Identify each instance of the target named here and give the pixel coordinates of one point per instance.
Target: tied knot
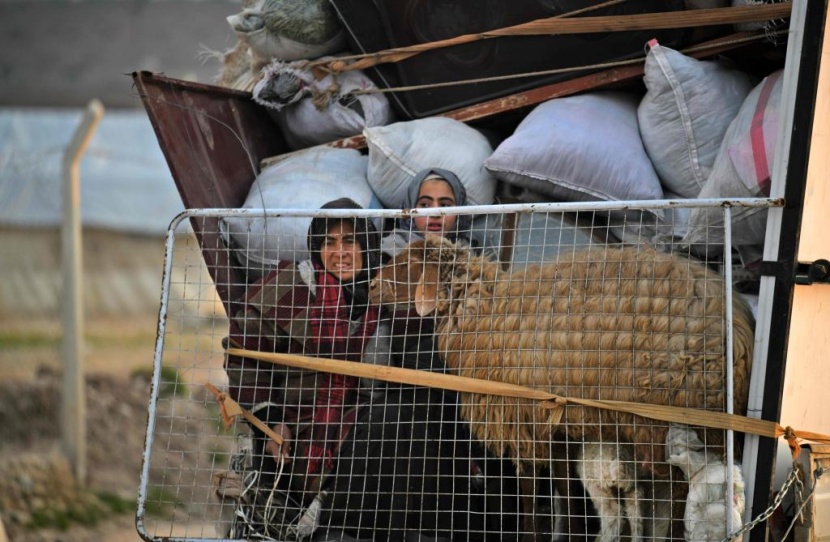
(227, 419)
(321, 98)
(228, 408)
(792, 441)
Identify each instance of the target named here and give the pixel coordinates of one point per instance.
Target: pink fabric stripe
(756, 135)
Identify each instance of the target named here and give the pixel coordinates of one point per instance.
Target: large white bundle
(579, 148)
(291, 95)
(305, 180)
(742, 170)
(685, 113)
(397, 152)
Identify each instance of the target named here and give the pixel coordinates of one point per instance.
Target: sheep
(610, 475)
(706, 510)
(612, 323)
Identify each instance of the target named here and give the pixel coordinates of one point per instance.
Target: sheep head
(685, 450)
(422, 275)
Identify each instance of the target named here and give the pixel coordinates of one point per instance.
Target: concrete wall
(64, 53)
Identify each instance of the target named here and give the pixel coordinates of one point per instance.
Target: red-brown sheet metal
(213, 139)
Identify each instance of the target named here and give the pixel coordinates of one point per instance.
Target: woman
(431, 188)
(376, 461)
(413, 341)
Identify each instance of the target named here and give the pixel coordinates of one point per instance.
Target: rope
(688, 416)
(565, 25)
(229, 409)
(587, 67)
(326, 65)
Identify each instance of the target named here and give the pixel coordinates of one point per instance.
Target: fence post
(73, 402)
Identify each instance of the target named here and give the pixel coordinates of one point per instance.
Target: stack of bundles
(702, 130)
(276, 39)
(683, 117)
(711, 132)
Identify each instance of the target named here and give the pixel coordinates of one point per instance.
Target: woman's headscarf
(357, 290)
(462, 222)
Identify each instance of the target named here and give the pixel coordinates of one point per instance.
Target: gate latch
(809, 273)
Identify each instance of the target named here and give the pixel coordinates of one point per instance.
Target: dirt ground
(40, 499)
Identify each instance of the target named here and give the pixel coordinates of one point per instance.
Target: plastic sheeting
(125, 182)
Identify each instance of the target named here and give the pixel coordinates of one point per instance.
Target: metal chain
(793, 477)
(804, 499)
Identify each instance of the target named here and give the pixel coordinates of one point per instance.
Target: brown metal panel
(213, 139)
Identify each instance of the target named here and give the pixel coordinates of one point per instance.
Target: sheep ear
(426, 292)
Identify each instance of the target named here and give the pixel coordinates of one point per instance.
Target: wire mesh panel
(566, 319)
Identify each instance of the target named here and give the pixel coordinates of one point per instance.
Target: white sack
(288, 30)
(742, 170)
(685, 113)
(304, 123)
(397, 152)
(579, 148)
(305, 180)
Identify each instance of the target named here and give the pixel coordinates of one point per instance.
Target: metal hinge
(805, 272)
(808, 273)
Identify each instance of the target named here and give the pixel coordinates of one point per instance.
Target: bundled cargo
(311, 110)
(278, 29)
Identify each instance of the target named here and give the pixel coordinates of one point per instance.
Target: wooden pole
(73, 403)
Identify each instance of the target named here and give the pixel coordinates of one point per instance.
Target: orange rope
(229, 409)
(688, 416)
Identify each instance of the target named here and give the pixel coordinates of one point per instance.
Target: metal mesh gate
(586, 302)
